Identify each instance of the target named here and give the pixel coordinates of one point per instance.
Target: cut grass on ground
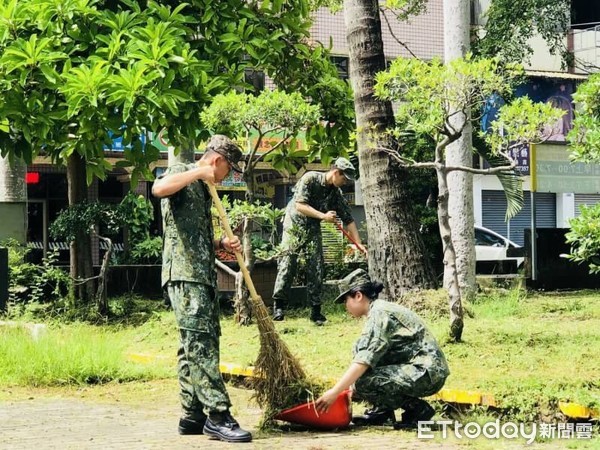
(528, 351)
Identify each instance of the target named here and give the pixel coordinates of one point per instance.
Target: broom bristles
(279, 379)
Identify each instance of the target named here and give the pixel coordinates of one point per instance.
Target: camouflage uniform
(314, 191)
(189, 275)
(404, 358)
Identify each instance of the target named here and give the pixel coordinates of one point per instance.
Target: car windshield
(488, 239)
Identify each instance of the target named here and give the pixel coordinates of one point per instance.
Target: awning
(559, 75)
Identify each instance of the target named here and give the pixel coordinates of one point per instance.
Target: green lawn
(528, 351)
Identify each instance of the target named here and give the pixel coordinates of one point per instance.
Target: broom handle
(350, 238)
(229, 233)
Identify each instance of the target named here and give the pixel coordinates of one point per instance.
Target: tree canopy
(510, 24)
(272, 115)
(585, 135)
(76, 74)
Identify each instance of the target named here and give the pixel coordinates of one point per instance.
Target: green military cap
(227, 148)
(353, 280)
(346, 167)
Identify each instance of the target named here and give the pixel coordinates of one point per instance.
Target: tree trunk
(81, 267)
(186, 155)
(101, 296)
(397, 254)
(446, 233)
(243, 306)
(460, 153)
(13, 199)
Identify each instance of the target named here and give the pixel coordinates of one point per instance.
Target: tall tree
(584, 235)
(79, 73)
(397, 254)
(13, 198)
(452, 90)
(457, 26)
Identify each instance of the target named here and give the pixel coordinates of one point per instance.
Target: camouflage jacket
(188, 250)
(312, 190)
(394, 334)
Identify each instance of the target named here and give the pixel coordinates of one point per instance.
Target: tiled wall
(424, 35)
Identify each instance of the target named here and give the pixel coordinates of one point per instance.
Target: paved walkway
(146, 418)
(92, 420)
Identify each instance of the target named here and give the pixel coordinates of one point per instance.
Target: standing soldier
(317, 197)
(189, 275)
(396, 359)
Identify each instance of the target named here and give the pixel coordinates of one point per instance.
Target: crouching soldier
(397, 361)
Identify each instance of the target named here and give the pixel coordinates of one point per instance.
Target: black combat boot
(415, 410)
(375, 416)
(192, 423)
(316, 316)
(278, 315)
(224, 427)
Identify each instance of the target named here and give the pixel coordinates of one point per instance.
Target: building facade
(563, 187)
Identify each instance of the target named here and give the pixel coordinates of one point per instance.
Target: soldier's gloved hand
(330, 216)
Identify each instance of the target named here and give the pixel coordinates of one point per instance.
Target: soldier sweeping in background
(317, 197)
(190, 278)
(396, 359)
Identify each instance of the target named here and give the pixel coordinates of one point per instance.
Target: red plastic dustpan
(339, 414)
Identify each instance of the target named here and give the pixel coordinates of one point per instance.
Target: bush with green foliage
(134, 214)
(84, 217)
(264, 220)
(584, 237)
(137, 215)
(29, 283)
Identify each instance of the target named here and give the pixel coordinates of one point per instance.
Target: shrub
(29, 282)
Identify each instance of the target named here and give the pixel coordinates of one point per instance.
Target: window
(341, 62)
(256, 79)
(584, 13)
(476, 13)
(110, 189)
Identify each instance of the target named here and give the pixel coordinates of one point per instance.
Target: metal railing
(117, 246)
(587, 38)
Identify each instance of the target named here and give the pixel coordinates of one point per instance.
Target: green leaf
(230, 37)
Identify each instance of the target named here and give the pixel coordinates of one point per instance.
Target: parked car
(496, 254)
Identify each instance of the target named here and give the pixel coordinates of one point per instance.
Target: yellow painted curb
(577, 411)
(572, 410)
(239, 371)
(447, 395)
(143, 358)
(465, 397)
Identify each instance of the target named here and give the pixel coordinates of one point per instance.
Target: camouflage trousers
(287, 267)
(196, 308)
(392, 386)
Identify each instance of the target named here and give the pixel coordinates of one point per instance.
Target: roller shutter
(494, 211)
(585, 199)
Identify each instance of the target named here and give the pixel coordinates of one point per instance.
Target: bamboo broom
(278, 377)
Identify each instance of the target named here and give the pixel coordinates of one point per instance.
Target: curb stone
(571, 410)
